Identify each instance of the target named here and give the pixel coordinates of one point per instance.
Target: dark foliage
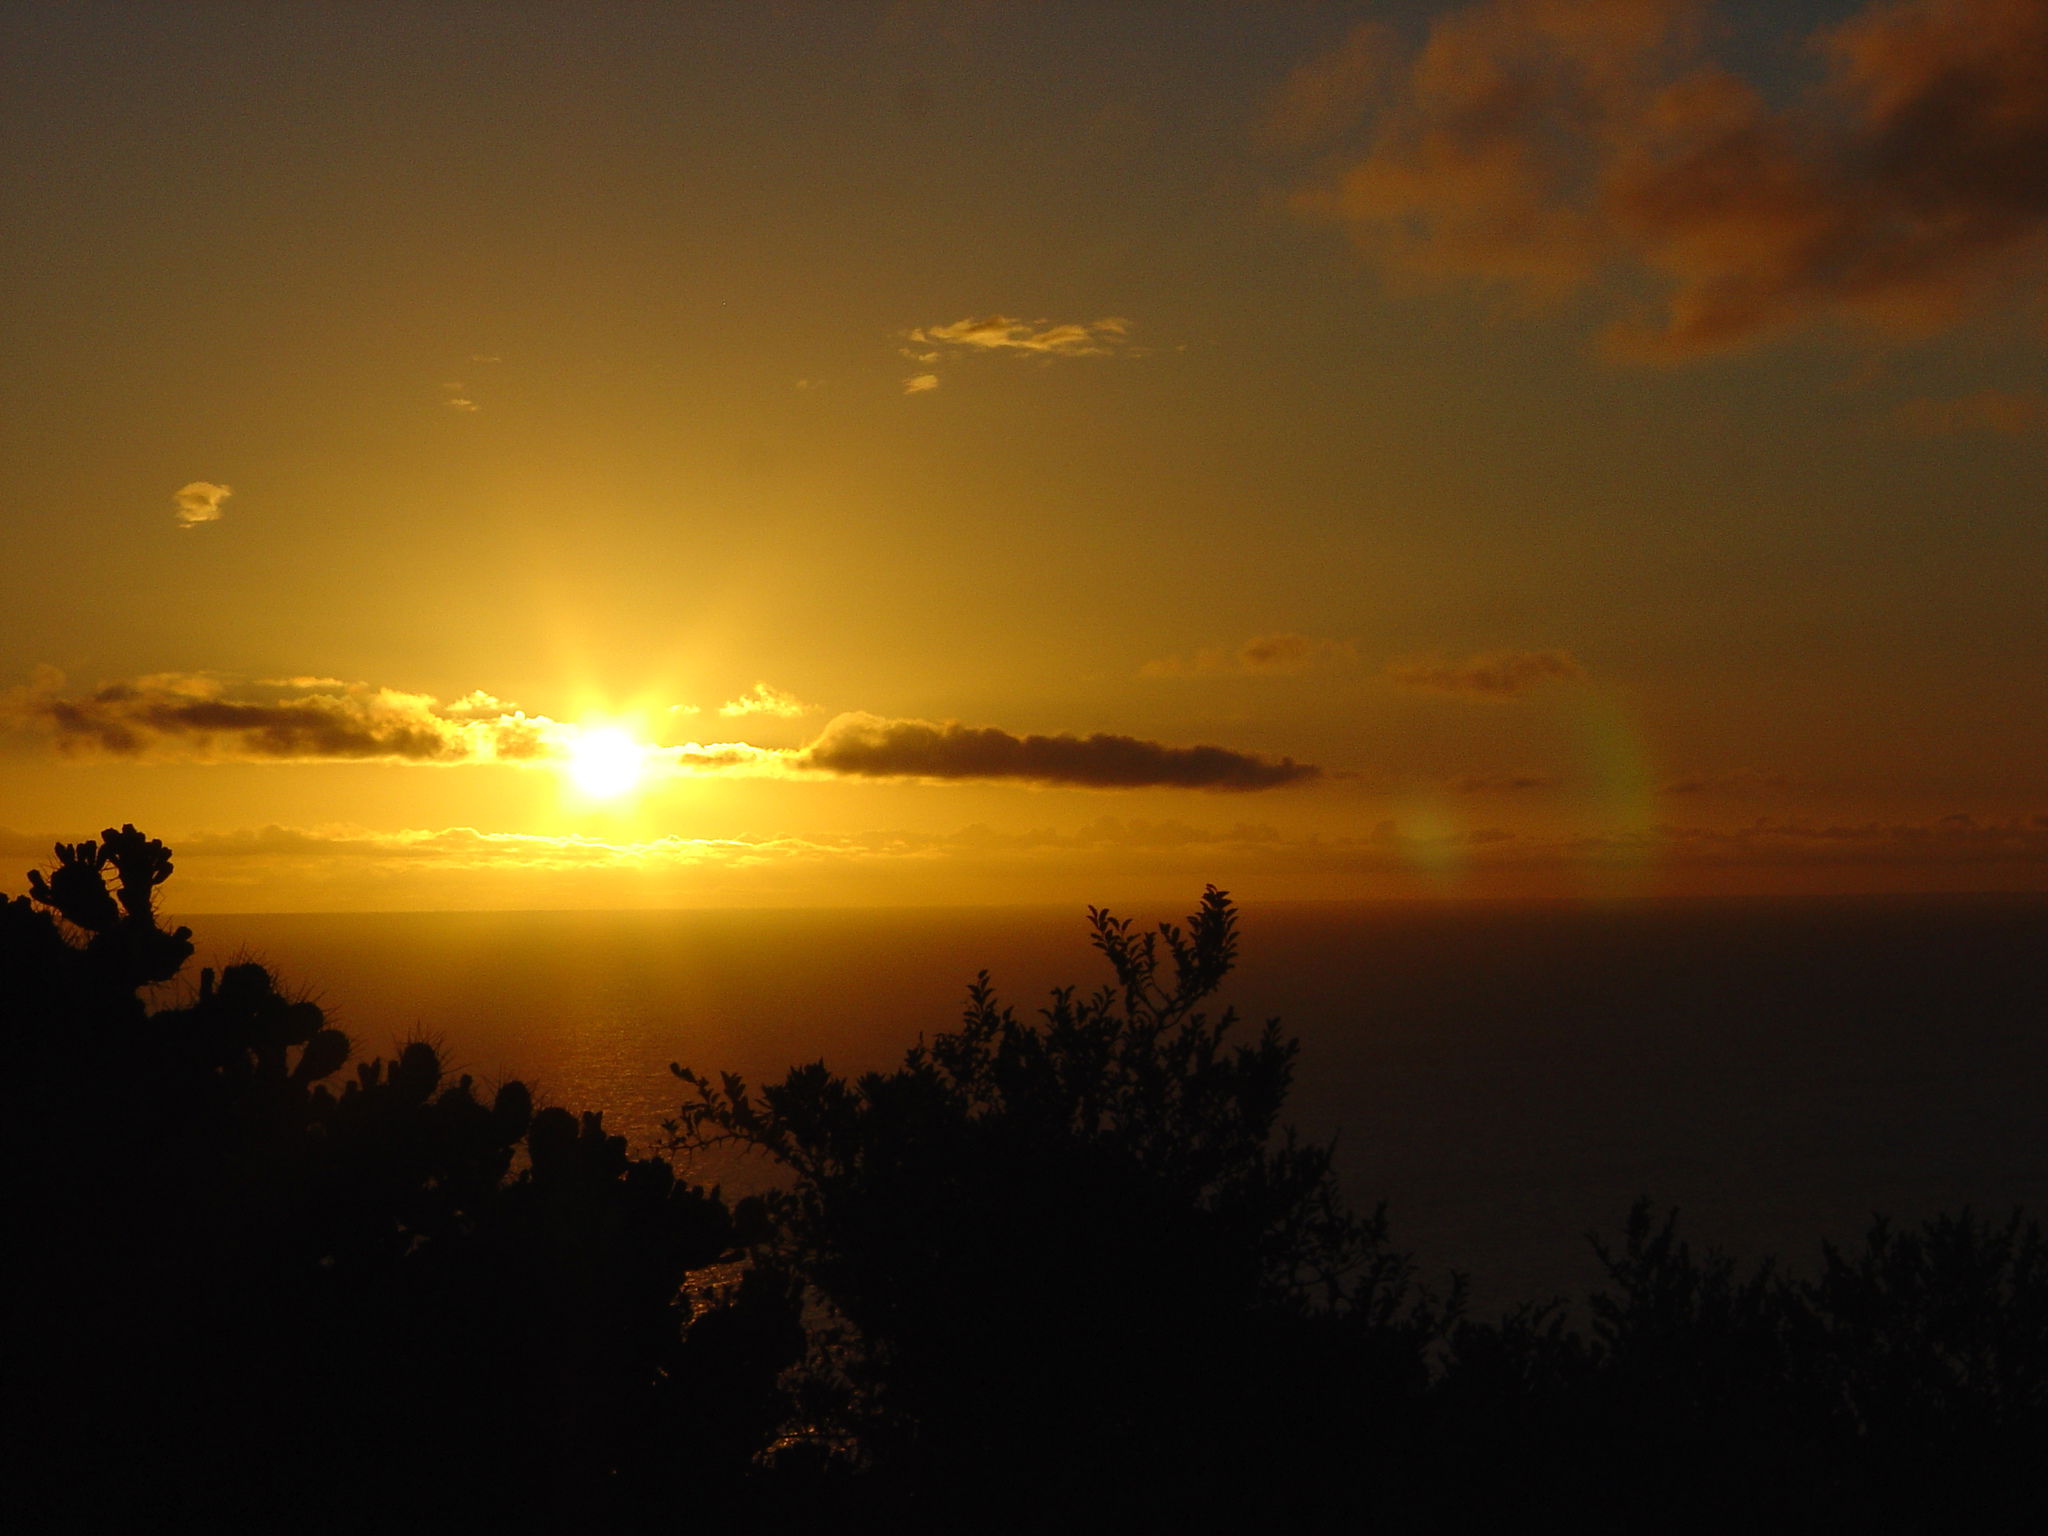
(1075, 1275)
(1078, 1266)
(1061, 1273)
(1903, 1389)
(247, 1298)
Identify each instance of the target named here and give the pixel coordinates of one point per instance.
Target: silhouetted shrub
(1902, 1389)
(247, 1300)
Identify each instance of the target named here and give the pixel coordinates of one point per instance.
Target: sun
(606, 763)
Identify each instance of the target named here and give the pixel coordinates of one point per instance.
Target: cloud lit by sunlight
(765, 699)
(209, 717)
(199, 502)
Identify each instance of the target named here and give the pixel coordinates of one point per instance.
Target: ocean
(1506, 1077)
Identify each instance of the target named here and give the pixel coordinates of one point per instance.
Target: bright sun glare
(606, 763)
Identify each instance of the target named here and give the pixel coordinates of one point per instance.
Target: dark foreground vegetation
(1064, 1273)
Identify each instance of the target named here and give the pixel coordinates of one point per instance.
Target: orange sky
(981, 452)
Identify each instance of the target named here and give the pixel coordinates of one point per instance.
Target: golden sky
(529, 455)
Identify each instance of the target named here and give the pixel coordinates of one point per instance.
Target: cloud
(1006, 333)
(1489, 675)
(2009, 413)
(459, 394)
(474, 705)
(765, 700)
(1552, 145)
(919, 383)
(1284, 655)
(206, 717)
(199, 502)
(867, 746)
(1330, 94)
(1502, 783)
(203, 716)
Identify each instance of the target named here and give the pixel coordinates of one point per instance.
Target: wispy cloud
(1043, 338)
(1487, 676)
(1283, 655)
(930, 345)
(1548, 146)
(198, 502)
(763, 699)
(461, 394)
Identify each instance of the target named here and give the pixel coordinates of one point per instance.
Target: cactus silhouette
(124, 936)
(258, 1281)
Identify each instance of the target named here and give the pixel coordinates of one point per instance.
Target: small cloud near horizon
(459, 394)
(1503, 783)
(198, 502)
(1488, 676)
(869, 746)
(1006, 333)
(1282, 655)
(929, 345)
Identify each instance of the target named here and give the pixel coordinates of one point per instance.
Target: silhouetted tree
(1080, 1267)
(1071, 1274)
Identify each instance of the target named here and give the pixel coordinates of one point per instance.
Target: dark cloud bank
(864, 746)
